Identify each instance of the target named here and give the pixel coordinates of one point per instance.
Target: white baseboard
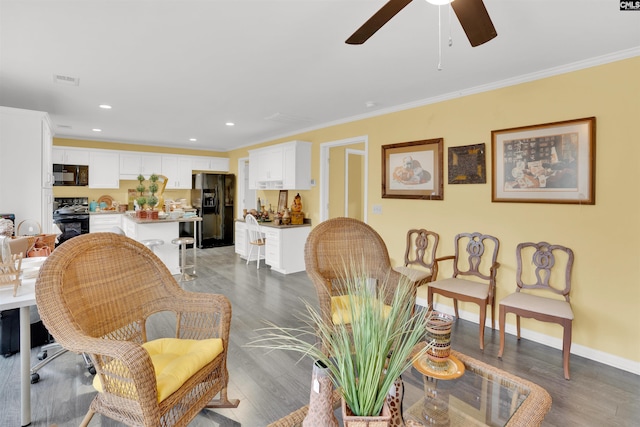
(579, 350)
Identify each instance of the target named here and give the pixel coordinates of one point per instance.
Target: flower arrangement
(366, 355)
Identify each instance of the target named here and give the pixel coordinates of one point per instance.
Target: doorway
(246, 196)
(344, 178)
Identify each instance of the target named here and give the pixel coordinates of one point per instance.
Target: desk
(483, 396)
(24, 299)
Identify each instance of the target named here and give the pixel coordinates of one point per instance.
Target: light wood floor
(271, 385)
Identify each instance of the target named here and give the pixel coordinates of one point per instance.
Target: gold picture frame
(546, 163)
(283, 199)
(413, 170)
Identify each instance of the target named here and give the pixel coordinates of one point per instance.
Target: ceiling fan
(472, 14)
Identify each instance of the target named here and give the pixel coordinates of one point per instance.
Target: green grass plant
(367, 355)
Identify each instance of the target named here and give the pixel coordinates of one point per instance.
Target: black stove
(71, 217)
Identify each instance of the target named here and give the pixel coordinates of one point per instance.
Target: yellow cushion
(341, 309)
(175, 361)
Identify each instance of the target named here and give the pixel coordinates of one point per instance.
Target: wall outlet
(377, 209)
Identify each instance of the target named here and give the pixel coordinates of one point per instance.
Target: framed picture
(467, 165)
(283, 200)
(413, 170)
(548, 163)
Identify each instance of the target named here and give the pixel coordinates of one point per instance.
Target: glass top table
(482, 396)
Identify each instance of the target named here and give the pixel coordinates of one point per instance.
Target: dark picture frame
(467, 164)
(283, 199)
(546, 163)
(413, 170)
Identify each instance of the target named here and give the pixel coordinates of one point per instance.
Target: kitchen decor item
(107, 200)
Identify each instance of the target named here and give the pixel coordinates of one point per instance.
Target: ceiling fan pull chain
(439, 39)
(450, 38)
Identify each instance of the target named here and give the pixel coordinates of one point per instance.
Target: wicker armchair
(95, 294)
(337, 243)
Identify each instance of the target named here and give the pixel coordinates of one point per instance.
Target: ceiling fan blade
(381, 17)
(475, 21)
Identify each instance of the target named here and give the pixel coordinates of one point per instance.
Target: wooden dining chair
(474, 275)
(543, 271)
(420, 259)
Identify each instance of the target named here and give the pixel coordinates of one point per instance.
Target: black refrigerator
(212, 195)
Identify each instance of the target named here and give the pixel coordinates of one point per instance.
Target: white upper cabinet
(70, 156)
(210, 164)
(133, 164)
(284, 166)
(104, 169)
(177, 169)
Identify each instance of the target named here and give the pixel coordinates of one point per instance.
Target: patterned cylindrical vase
(439, 334)
(394, 400)
(320, 404)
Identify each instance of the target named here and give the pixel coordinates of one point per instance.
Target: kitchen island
(284, 248)
(163, 229)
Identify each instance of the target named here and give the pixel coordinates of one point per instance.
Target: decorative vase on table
(439, 332)
(320, 405)
(394, 401)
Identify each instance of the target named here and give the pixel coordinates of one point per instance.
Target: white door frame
(241, 202)
(324, 173)
(350, 151)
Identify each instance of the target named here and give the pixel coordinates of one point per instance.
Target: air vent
(64, 126)
(66, 80)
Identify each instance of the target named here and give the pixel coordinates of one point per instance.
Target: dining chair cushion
(466, 287)
(341, 309)
(542, 305)
(176, 360)
(413, 274)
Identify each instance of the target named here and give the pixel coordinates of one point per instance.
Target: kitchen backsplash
(119, 195)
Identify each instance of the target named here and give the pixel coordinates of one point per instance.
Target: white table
(24, 299)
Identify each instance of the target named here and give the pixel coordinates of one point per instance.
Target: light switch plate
(377, 209)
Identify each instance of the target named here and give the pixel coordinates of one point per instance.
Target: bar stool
(152, 243)
(183, 242)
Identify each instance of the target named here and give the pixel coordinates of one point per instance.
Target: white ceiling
(180, 69)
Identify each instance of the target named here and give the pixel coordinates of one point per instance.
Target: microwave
(76, 175)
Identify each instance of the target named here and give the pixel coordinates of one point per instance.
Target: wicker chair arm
(129, 356)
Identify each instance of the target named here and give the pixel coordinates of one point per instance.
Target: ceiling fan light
(439, 2)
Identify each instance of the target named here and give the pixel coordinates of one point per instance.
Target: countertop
(272, 225)
(162, 221)
(106, 212)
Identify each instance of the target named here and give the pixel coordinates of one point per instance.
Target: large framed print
(413, 170)
(547, 163)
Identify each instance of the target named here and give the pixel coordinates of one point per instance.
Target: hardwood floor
(272, 384)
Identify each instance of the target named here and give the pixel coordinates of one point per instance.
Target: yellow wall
(604, 237)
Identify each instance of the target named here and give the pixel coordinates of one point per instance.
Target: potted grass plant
(365, 356)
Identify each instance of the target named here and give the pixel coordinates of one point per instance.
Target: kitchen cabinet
(284, 249)
(70, 156)
(177, 169)
(284, 166)
(104, 169)
(104, 222)
(133, 164)
(209, 164)
(26, 171)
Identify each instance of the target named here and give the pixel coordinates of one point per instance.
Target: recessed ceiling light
(105, 106)
(96, 130)
(192, 139)
(230, 124)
